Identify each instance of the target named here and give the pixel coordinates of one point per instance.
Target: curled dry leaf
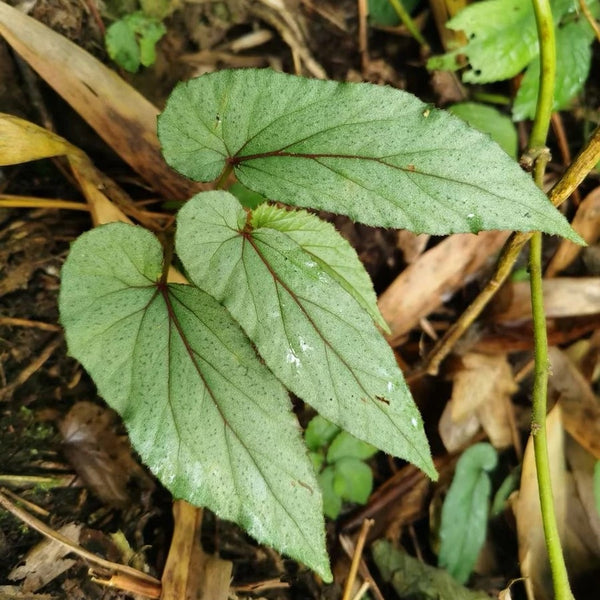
(100, 457)
(483, 385)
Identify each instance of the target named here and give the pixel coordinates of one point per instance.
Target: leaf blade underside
(201, 409)
(376, 154)
(309, 330)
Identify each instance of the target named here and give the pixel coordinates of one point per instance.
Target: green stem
(545, 101)
(537, 150)
(409, 23)
(224, 176)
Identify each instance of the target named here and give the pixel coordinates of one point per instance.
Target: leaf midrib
(295, 298)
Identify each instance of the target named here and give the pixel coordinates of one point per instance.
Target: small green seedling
(339, 460)
(277, 301)
(131, 41)
(466, 510)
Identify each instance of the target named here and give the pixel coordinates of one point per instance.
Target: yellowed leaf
(116, 111)
(22, 141)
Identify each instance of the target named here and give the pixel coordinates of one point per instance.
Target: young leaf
(465, 511)
(332, 503)
(353, 480)
(205, 415)
(376, 154)
(345, 445)
(319, 433)
(328, 248)
(573, 59)
(310, 332)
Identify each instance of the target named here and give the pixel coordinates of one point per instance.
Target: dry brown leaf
(122, 117)
(581, 408)
(411, 244)
(435, 276)
(189, 572)
(46, 560)
(582, 465)
(563, 297)
(100, 457)
(482, 387)
(587, 224)
(530, 532)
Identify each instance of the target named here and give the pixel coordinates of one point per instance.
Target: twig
(587, 13)
(28, 371)
(563, 146)
(15, 322)
(537, 142)
(360, 544)
(362, 590)
(363, 41)
(48, 532)
(11, 201)
(584, 162)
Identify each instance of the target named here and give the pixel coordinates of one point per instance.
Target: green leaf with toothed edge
(376, 154)
(328, 248)
(203, 412)
(309, 330)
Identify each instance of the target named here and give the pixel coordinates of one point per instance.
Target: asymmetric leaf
(465, 511)
(376, 154)
(309, 330)
(328, 248)
(205, 414)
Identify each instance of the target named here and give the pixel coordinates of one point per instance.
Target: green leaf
(465, 511)
(328, 248)
(502, 39)
(573, 59)
(319, 433)
(414, 580)
(353, 480)
(376, 154)
(204, 413)
(131, 40)
(345, 445)
(310, 332)
(489, 120)
(332, 503)
(122, 46)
